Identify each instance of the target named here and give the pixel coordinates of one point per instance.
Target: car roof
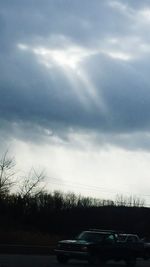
(128, 234)
(98, 232)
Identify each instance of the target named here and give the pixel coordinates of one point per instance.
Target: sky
(75, 93)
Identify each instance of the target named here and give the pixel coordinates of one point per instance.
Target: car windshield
(91, 236)
(122, 238)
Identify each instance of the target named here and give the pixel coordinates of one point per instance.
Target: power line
(67, 183)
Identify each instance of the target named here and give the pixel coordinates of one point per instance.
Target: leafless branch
(32, 184)
(7, 173)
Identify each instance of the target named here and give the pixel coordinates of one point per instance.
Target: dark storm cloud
(113, 34)
(125, 91)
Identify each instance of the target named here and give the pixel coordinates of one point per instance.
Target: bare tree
(7, 173)
(129, 201)
(32, 184)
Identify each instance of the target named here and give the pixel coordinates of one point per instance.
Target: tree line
(31, 207)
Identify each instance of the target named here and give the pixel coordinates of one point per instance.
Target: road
(50, 261)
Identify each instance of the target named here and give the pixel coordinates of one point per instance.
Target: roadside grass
(29, 238)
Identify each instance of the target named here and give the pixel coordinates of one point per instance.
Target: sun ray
(69, 61)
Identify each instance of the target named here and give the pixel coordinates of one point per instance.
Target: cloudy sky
(75, 93)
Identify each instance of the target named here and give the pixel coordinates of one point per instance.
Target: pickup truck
(98, 246)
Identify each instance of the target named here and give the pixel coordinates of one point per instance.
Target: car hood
(75, 242)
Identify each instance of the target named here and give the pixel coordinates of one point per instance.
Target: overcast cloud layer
(75, 72)
(72, 64)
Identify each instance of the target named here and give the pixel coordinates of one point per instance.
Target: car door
(109, 247)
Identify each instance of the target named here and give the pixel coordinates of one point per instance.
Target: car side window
(130, 239)
(110, 239)
(135, 239)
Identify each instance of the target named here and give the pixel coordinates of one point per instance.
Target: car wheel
(131, 262)
(95, 260)
(146, 256)
(62, 259)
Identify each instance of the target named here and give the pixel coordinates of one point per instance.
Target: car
(98, 246)
(129, 238)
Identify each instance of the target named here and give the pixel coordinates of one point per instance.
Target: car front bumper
(72, 254)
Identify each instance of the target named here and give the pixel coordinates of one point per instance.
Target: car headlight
(85, 248)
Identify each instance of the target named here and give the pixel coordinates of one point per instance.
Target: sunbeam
(70, 60)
